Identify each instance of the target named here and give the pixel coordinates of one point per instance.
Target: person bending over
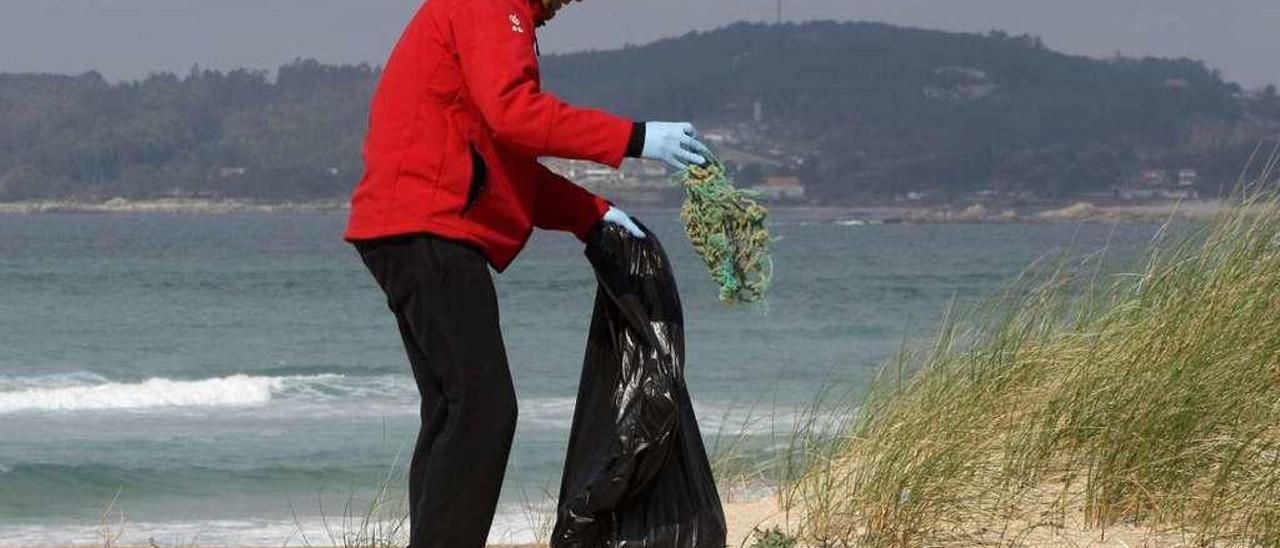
(451, 186)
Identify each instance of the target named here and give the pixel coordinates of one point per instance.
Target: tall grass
(383, 522)
(1148, 400)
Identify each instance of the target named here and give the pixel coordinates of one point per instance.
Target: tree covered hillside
(208, 134)
(884, 108)
(855, 109)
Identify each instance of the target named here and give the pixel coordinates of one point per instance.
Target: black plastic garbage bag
(636, 474)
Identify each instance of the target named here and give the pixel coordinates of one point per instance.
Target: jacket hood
(538, 12)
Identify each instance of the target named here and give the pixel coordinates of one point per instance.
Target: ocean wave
(552, 412)
(11, 383)
(321, 395)
(230, 391)
(511, 525)
(160, 478)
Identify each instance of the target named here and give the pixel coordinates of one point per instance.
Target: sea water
(238, 379)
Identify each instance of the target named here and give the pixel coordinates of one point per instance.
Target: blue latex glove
(617, 217)
(675, 143)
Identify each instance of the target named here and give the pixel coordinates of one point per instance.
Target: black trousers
(442, 295)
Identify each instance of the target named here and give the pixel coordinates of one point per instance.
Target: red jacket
(456, 126)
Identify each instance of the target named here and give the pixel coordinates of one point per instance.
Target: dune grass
(1076, 399)
(1147, 401)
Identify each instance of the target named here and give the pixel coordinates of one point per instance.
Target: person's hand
(675, 143)
(617, 217)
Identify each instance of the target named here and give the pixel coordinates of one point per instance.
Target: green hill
(856, 109)
(883, 108)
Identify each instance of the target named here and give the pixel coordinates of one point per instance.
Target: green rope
(725, 225)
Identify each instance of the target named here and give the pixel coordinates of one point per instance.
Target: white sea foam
(230, 391)
(551, 412)
(322, 395)
(714, 418)
(10, 383)
(511, 525)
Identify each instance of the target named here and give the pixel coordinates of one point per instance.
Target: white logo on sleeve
(516, 25)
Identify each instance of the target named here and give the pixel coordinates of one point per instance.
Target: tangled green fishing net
(726, 227)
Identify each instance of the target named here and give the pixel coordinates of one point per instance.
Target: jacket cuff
(601, 207)
(635, 146)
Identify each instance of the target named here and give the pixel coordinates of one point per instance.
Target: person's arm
(559, 204)
(500, 68)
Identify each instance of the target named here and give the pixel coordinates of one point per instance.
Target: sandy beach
(745, 517)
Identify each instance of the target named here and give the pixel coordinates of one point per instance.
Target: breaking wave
(510, 526)
(317, 395)
(230, 391)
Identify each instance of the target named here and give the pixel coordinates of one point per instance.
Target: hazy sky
(129, 38)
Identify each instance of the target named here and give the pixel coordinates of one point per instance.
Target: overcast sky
(129, 38)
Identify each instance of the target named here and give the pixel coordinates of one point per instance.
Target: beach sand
(741, 517)
(763, 513)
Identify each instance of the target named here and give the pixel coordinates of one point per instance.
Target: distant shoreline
(1066, 211)
(171, 205)
(853, 215)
